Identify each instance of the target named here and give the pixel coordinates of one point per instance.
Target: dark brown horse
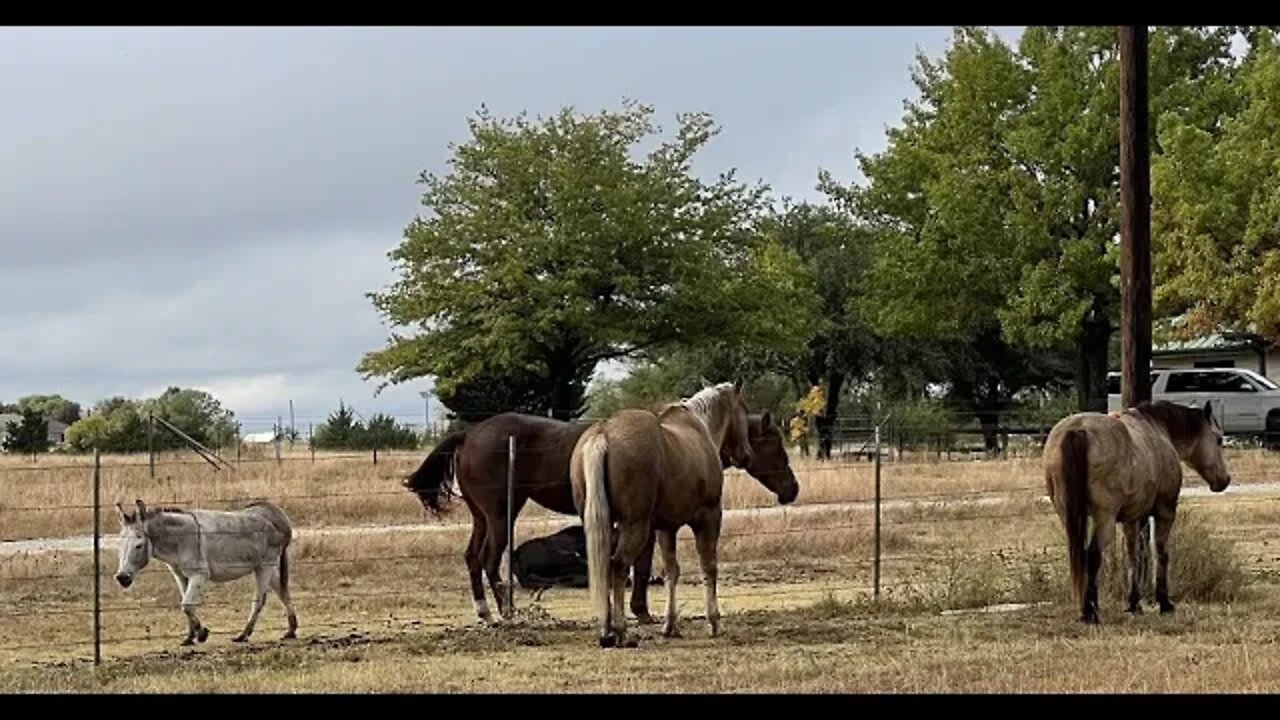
(543, 449)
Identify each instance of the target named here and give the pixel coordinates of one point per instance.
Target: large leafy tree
(1216, 217)
(842, 347)
(996, 202)
(53, 407)
(551, 247)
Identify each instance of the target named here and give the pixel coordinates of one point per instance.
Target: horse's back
(1127, 459)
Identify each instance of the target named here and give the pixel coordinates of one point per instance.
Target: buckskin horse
(657, 471)
(1126, 467)
(476, 458)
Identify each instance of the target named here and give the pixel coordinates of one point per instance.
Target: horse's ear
(737, 386)
(1208, 410)
(766, 420)
(124, 516)
(142, 509)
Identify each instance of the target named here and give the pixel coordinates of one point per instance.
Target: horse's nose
(124, 580)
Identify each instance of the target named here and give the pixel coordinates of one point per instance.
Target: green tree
(340, 431)
(1216, 210)
(549, 248)
(52, 407)
(837, 253)
(194, 412)
(30, 436)
(996, 203)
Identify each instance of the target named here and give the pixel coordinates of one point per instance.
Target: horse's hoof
(187, 642)
(671, 631)
(239, 638)
(203, 634)
(291, 635)
(1135, 609)
(630, 643)
(644, 618)
(1166, 607)
(608, 641)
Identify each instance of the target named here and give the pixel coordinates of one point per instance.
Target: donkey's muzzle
(124, 580)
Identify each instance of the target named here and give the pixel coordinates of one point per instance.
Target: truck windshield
(1262, 380)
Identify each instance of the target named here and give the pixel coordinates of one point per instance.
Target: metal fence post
(97, 561)
(311, 440)
(877, 540)
(511, 519)
(151, 453)
(279, 428)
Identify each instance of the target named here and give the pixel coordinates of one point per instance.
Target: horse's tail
(598, 525)
(432, 480)
(1075, 481)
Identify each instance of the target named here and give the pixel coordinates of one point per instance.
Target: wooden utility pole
(1135, 243)
(1135, 220)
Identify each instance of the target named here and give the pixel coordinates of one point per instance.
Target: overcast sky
(208, 207)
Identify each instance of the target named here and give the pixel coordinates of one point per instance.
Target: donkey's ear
(142, 509)
(122, 515)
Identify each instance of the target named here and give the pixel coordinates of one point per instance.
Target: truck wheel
(1271, 439)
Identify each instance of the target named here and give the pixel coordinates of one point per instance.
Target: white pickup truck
(1248, 403)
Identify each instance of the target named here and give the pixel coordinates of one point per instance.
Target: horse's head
(1204, 450)
(769, 461)
(1196, 434)
(135, 546)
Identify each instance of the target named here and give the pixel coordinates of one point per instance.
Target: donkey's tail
(598, 525)
(432, 480)
(284, 569)
(1075, 480)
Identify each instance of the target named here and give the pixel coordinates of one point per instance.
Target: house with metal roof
(1224, 349)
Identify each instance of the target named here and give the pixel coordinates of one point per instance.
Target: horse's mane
(1183, 424)
(704, 401)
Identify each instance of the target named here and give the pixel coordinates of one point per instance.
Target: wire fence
(366, 559)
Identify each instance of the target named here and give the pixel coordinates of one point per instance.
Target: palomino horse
(1125, 467)
(202, 546)
(477, 458)
(661, 471)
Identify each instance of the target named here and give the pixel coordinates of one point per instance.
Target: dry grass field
(382, 601)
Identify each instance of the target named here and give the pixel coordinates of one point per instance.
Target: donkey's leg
(191, 599)
(263, 578)
(290, 615)
(1132, 538)
(1164, 525)
(707, 535)
(671, 569)
(1104, 530)
(474, 556)
(642, 570)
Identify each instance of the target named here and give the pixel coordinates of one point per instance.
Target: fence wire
(40, 583)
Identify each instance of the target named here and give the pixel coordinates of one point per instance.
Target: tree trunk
(1091, 363)
(990, 422)
(827, 420)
